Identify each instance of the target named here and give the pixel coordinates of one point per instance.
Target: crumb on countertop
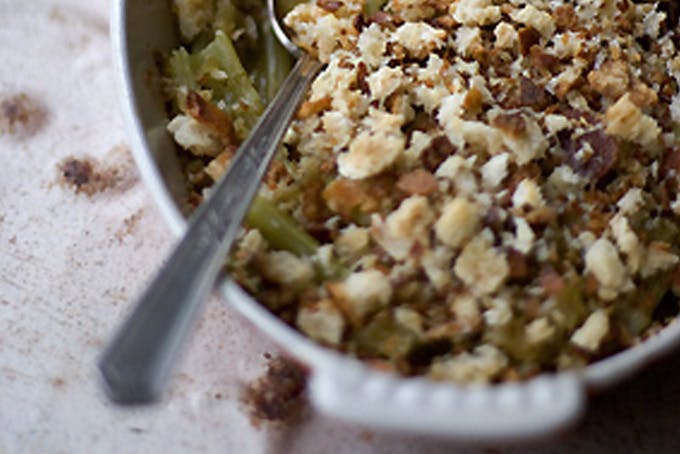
(278, 396)
(20, 114)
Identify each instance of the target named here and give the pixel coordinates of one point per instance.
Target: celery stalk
(373, 6)
(227, 16)
(218, 68)
(280, 230)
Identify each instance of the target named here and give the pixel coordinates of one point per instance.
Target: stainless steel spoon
(138, 362)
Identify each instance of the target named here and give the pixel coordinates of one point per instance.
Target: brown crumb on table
(367, 436)
(58, 382)
(20, 114)
(90, 176)
(129, 225)
(82, 175)
(278, 396)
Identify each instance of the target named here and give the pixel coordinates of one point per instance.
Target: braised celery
(373, 6)
(213, 68)
(217, 69)
(280, 230)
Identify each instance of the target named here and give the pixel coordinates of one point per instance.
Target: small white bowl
(342, 386)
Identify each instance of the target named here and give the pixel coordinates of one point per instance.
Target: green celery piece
(201, 41)
(217, 67)
(268, 63)
(237, 87)
(373, 6)
(280, 230)
(180, 67)
(636, 314)
(201, 70)
(227, 16)
(384, 337)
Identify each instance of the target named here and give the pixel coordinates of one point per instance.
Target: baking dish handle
(503, 412)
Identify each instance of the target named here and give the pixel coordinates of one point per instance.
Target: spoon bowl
(279, 30)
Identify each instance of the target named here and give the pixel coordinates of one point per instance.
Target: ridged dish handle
(503, 412)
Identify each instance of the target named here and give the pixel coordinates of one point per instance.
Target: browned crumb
(367, 436)
(309, 108)
(362, 74)
(212, 117)
(84, 176)
(329, 5)
(58, 382)
(473, 100)
(528, 37)
(278, 396)
(89, 176)
(512, 124)
(439, 149)
(419, 181)
(129, 225)
(520, 268)
(20, 114)
(344, 197)
(611, 79)
(532, 95)
(565, 17)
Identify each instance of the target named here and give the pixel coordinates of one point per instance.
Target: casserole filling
(473, 190)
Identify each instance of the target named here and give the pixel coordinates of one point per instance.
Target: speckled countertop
(73, 256)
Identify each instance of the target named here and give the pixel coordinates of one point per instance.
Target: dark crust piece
(512, 124)
(362, 83)
(84, 176)
(528, 37)
(531, 95)
(211, 116)
(565, 17)
(604, 158)
(21, 114)
(329, 5)
(277, 396)
(439, 149)
(672, 10)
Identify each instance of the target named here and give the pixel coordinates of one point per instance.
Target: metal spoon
(138, 362)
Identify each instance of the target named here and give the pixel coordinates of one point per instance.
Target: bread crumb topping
(497, 179)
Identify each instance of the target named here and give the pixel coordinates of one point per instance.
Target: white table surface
(71, 264)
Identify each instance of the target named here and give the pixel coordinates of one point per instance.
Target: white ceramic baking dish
(339, 385)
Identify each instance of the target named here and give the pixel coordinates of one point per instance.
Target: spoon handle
(138, 362)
